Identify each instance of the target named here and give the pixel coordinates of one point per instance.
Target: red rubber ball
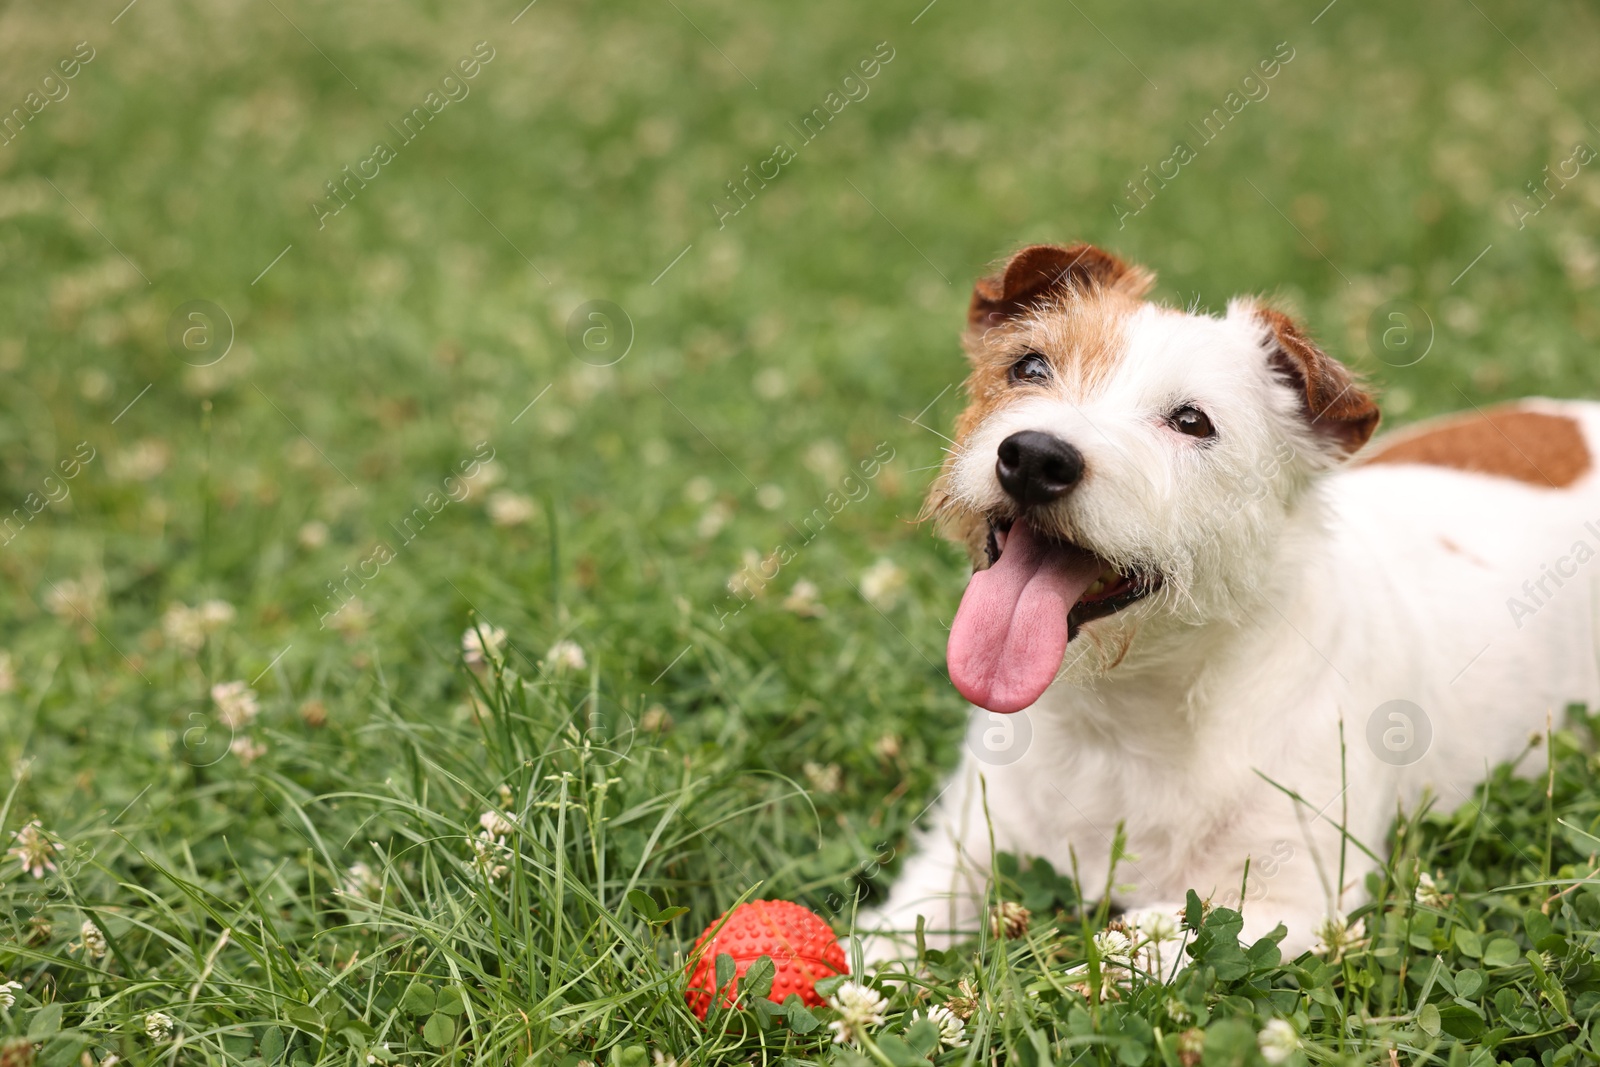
(803, 948)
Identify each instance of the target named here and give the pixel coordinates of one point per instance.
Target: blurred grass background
(771, 353)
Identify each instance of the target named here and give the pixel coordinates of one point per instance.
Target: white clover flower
(246, 749)
(236, 703)
(480, 644)
(748, 581)
(362, 881)
(882, 583)
(496, 825)
(8, 994)
(352, 619)
(71, 600)
(1278, 1041)
(1113, 980)
(952, 1030)
(182, 626)
(489, 473)
(859, 1007)
(187, 627)
(314, 713)
(1154, 924)
(489, 848)
(965, 1001)
(715, 518)
(94, 940)
(215, 614)
(1428, 893)
(1114, 947)
(1009, 919)
(824, 778)
(1337, 936)
(825, 459)
(771, 383)
(510, 509)
(699, 489)
(313, 535)
(491, 855)
(143, 460)
(802, 600)
(566, 655)
(34, 849)
(158, 1025)
(1152, 928)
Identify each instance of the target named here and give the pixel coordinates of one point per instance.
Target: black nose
(1036, 468)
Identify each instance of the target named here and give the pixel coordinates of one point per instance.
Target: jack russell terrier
(1204, 609)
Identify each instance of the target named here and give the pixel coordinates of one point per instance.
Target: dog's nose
(1036, 468)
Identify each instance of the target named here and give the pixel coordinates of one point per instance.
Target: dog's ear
(1333, 399)
(1041, 272)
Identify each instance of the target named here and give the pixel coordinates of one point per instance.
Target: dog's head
(1122, 467)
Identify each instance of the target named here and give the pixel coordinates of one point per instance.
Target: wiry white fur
(1297, 597)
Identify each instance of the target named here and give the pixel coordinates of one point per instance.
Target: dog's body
(1256, 588)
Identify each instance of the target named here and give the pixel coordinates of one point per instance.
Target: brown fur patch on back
(1509, 441)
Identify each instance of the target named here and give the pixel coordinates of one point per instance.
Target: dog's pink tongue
(1011, 630)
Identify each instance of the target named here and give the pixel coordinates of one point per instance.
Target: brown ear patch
(1334, 401)
(1508, 441)
(1041, 272)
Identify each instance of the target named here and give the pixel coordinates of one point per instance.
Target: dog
(1208, 614)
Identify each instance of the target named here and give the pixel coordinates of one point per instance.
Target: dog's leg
(1294, 869)
(944, 881)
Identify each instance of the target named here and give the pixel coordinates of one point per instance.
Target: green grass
(693, 755)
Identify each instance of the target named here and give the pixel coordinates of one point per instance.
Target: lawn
(426, 419)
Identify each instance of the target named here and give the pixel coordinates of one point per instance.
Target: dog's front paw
(880, 941)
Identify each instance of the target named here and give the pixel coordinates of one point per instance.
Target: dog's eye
(1192, 421)
(1030, 368)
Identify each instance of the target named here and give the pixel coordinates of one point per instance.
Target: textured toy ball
(803, 948)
